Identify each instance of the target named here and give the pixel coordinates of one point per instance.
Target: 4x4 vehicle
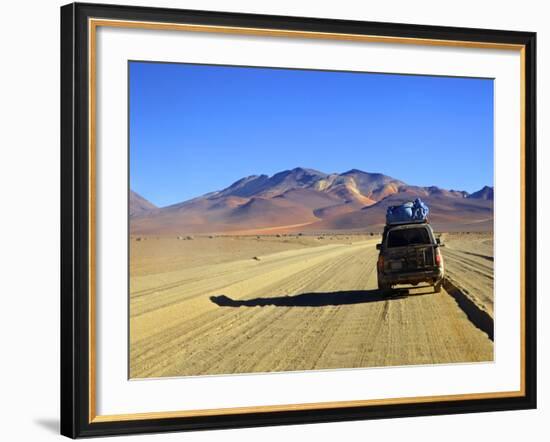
(410, 254)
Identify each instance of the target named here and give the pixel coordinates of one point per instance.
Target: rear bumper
(431, 276)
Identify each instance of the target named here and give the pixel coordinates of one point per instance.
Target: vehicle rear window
(408, 237)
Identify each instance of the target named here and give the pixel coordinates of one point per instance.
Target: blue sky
(195, 129)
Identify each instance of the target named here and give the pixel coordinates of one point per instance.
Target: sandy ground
(258, 304)
(469, 259)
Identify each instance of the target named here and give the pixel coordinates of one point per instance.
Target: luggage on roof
(411, 212)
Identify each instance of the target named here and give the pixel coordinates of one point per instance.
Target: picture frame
(79, 201)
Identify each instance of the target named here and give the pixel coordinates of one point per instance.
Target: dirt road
(470, 260)
(299, 309)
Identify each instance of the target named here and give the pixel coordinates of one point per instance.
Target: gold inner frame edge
(93, 24)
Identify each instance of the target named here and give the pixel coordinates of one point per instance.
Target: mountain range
(307, 200)
(139, 205)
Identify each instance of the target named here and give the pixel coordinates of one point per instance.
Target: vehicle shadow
(318, 299)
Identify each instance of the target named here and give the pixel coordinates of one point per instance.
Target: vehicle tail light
(437, 257)
(380, 263)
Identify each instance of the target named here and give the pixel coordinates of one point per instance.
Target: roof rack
(410, 221)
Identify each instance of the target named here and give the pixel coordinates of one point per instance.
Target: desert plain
(223, 304)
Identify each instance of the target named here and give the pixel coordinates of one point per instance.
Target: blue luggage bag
(411, 212)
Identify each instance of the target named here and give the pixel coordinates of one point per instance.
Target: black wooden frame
(75, 220)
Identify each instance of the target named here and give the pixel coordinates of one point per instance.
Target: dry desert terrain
(241, 304)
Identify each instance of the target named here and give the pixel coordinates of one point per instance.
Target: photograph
(285, 220)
